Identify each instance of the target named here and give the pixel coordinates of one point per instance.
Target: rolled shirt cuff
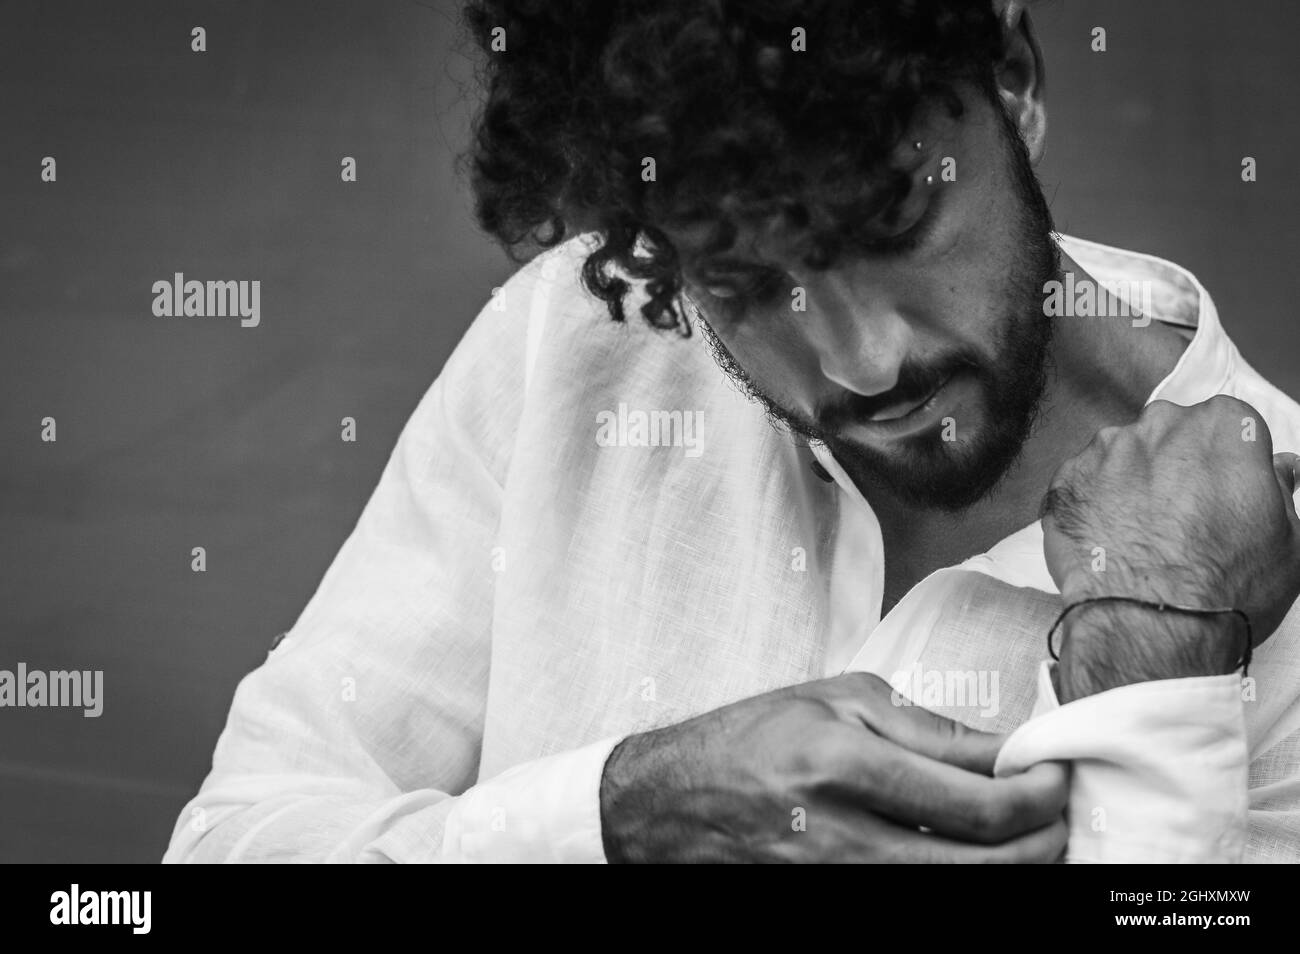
(1159, 768)
(546, 811)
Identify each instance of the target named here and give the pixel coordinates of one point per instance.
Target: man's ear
(1020, 76)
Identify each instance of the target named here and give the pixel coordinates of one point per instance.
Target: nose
(859, 334)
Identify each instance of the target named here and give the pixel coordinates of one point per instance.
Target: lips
(901, 409)
(907, 419)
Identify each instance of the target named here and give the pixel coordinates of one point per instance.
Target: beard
(924, 470)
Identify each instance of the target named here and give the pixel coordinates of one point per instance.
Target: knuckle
(866, 695)
(834, 761)
(804, 762)
(1159, 408)
(868, 684)
(1225, 411)
(1225, 403)
(818, 696)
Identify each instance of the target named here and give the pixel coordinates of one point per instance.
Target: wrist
(1187, 585)
(1112, 644)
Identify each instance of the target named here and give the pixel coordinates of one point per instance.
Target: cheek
(778, 362)
(983, 283)
(975, 271)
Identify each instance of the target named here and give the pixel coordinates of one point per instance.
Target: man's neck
(1102, 371)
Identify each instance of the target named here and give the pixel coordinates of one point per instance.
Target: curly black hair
(745, 128)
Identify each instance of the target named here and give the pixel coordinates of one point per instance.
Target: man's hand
(1187, 505)
(830, 770)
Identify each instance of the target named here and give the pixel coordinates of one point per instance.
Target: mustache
(914, 383)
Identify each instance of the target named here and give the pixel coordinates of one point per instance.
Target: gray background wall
(225, 165)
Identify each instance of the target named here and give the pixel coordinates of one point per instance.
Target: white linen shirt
(530, 583)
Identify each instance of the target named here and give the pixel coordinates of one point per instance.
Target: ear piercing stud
(929, 180)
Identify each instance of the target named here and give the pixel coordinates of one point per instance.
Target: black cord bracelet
(1162, 607)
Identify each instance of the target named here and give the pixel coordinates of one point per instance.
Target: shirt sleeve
(1159, 768)
(359, 738)
(546, 812)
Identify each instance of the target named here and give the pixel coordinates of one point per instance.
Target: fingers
(943, 740)
(1044, 845)
(1221, 416)
(919, 730)
(917, 791)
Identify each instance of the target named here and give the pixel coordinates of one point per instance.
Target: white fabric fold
(1159, 768)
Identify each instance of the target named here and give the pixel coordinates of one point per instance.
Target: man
(599, 608)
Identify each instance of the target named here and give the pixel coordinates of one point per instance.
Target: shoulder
(498, 338)
(475, 402)
(542, 336)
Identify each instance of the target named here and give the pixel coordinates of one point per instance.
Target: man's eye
(907, 239)
(757, 287)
